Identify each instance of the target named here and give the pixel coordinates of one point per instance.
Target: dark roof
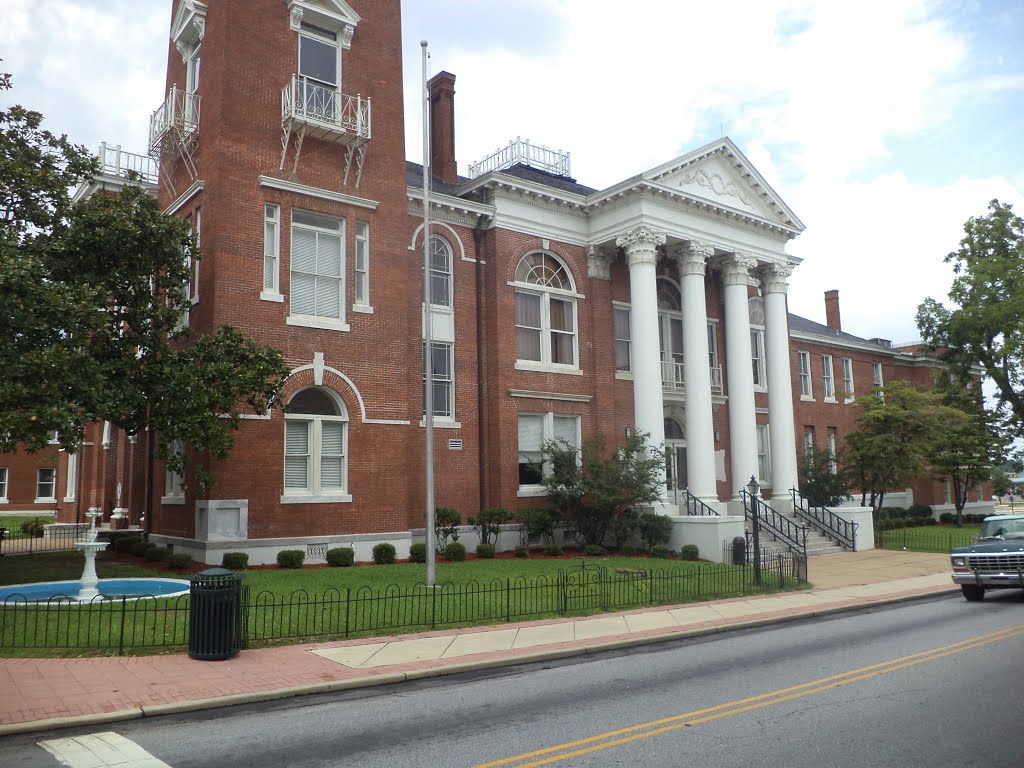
(414, 178)
(803, 325)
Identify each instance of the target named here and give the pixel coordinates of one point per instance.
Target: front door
(675, 460)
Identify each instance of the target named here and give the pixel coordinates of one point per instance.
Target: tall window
(3, 485)
(833, 449)
(72, 477)
(362, 264)
(271, 249)
(196, 256)
(755, 309)
(317, 273)
(805, 374)
(46, 484)
(443, 380)
(809, 442)
(764, 466)
(848, 379)
(440, 272)
(545, 312)
(174, 483)
(828, 381)
(876, 374)
(319, 64)
(622, 340)
(670, 333)
(315, 444)
(534, 430)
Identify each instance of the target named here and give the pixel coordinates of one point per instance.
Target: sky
(884, 125)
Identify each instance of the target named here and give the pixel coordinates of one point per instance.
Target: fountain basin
(109, 589)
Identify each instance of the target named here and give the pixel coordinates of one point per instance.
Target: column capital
(774, 276)
(692, 258)
(736, 268)
(599, 262)
(641, 245)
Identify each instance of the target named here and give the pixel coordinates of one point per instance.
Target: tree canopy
(94, 307)
(986, 322)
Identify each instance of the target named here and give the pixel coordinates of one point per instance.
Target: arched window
(545, 312)
(315, 444)
(440, 272)
(670, 333)
(755, 308)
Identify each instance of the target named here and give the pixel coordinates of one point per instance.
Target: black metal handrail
(782, 528)
(695, 507)
(823, 519)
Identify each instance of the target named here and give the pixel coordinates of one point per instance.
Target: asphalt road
(928, 683)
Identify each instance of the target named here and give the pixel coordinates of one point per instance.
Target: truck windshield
(1002, 529)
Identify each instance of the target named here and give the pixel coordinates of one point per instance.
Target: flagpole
(428, 368)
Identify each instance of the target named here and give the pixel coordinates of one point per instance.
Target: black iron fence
(114, 626)
(18, 538)
(925, 538)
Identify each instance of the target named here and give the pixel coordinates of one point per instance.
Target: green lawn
(13, 523)
(325, 603)
(930, 538)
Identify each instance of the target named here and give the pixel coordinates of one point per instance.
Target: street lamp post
(752, 488)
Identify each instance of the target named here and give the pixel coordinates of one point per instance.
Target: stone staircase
(817, 542)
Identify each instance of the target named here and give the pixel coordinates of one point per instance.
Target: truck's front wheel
(972, 592)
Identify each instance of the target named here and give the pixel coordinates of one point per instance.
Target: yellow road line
(708, 714)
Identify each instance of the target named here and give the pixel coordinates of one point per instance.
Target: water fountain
(87, 584)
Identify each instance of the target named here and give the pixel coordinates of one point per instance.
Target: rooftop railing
(522, 152)
(114, 161)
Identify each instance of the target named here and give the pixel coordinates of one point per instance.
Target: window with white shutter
(315, 448)
(317, 267)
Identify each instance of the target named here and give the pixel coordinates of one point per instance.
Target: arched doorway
(675, 459)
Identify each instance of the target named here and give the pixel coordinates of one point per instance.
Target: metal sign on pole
(428, 378)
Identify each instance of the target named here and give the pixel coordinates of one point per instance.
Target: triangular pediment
(719, 173)
(335, 15)
(189, 23)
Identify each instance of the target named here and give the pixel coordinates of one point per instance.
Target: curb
(390, 678)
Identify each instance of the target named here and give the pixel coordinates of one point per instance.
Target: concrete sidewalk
(42, 694)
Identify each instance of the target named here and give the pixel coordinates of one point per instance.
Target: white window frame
(847, 363)
(319, 321)
(449, 404)
(546, 293)
(51, 498)
(3, 485)
(547, 433)
(764, 455)
(810, 440)
(876, 375)
(271, 253)
(361, 266)
(194, 258)
(806, 382)
(72, 477)
(174, 484)
(833, 450)
(757, 359)
(313, 492)
(440, 245)
(828, 379)
(619, 310)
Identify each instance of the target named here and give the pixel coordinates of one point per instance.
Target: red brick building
(556, 310)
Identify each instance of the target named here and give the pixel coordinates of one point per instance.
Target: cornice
(448, 203)
(323, 194)
(184, 197)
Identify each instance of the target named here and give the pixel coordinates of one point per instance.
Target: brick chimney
(832, 310)
(441, 88)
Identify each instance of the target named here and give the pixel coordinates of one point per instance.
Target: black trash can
(215, 629)
(739, 550)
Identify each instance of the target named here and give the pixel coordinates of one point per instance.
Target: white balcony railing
(672, 377)
(178, 115)
(331, 113)
(114, 161)
(521, 151)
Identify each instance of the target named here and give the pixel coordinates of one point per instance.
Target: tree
(823, 481)
(1000, 484)
(594, 488)
(897, 426)
(986, 325)
(95, 303)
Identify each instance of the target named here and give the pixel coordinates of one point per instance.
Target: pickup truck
(995, 561)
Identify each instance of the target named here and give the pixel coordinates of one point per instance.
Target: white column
(641, 246)
(700, 431)
(739, 361)
(780, 384)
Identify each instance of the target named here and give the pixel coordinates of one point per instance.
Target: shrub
(291, 558)
(35, 527)
(418, 553)
(892, 513)
(522, 552)
(594, 550)
(138, 547)
(535, 523)
(488, 523)
(236, 561)
(485, 550)
(655, 529)
(124, 543)
(661, 551)
(947, 518)
(919, 511)
(552, 550)
(179, 561)
(446, 524)
(930, 521)
(454, 552)
(627, 551)
(622, 528)
(340, 557)
(384, 553)
(689, 552)
(158, 554)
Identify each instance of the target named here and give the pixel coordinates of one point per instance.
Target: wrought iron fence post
(508, 599)
(120, 642)
(433, 606)
(348, 609)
